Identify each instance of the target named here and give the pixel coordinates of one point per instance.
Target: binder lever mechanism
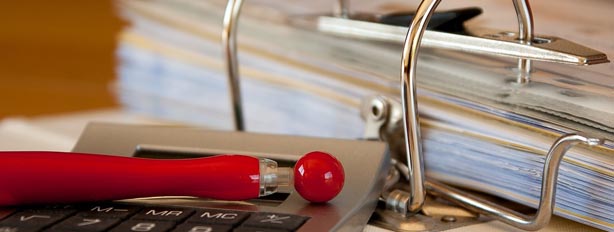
(412, 202)
(523, 45)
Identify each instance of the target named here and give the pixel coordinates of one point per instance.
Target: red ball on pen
(318, 177)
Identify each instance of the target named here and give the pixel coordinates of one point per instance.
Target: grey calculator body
(365, 163)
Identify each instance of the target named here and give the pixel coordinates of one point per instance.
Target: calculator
(365, 163)
(119, 217)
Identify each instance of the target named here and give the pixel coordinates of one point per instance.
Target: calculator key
(275, 221)
(164, 214)
(191, 227)
(32, 220)
(110, 211)
(218, 216)
(257, 229)
(58, 209)
(18, 229)
(50, 212)
(144, 226)
(90, 224)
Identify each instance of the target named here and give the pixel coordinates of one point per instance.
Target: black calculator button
(144, 226)
(163, 214)
(28, 214)
(18, 229)
(257, 229)
(32, 220)
(89, 224)
(53, 209)
(275, 221)
(109, 211)
(217, 216)
(192, 227)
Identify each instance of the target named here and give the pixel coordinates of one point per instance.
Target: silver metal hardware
(342, 9)
(448, 218)
(398, 200)
(435, 215)
(480, 41)
(411, 124)
(229, 43)
(525, 36)
(409, 101)
(380, 115)
(419, 222)
(548, 189)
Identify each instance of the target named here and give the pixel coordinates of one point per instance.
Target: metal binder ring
(413, 144)
(411, 127)
(548, 189)
(342, 9)
(229, 44)
(525, 36)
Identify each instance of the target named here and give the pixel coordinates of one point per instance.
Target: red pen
(62, 177)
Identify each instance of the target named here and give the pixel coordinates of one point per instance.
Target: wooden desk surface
(56, 56)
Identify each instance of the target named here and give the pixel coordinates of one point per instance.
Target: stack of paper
(480, 130)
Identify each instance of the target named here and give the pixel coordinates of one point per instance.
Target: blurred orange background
(56, 56)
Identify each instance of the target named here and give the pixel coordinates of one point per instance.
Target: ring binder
(411, 202)
(413, 144)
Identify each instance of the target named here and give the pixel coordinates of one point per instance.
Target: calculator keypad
(127, 217)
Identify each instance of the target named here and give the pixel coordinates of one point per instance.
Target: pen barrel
(58, 177)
